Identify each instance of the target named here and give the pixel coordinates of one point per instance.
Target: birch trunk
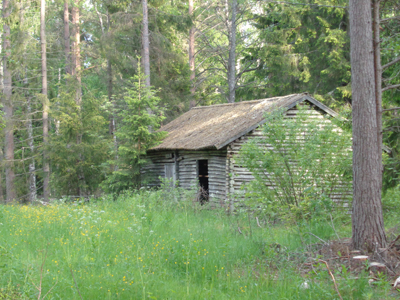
(367, 219)
(232, 53)
(46, 165)
(8, 108)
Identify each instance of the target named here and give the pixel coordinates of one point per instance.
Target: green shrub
(299, 164)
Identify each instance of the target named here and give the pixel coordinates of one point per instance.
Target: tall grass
(158, 245)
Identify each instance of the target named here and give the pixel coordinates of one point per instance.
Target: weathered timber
(202, 145)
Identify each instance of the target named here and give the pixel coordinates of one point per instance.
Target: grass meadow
(159, 245)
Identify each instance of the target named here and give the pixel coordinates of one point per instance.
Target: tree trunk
(191, 56)
(232, 53)
(76, 53)
(146, 43)
(32, 168)
(112, 126)
(378, 78)
(1, 146)
(46, 166)
(367, 219)
(67, 47)
(1, 174)
(8, 107)
(76, 72)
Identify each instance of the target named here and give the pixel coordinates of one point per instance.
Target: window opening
(202, 171)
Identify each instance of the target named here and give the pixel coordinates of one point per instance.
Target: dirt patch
(338, 254)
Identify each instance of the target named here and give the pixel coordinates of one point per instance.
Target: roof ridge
(246, 102)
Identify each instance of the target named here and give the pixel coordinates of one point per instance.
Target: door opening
(202, 171)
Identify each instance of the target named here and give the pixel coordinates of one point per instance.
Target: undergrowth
(160, 245)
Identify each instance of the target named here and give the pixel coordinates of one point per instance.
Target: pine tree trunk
(232, 53)
(1, 146)
(32, 168)
(46, 165)
(112, 123)
(67, 47)
(1, 173)
(76, 71)
(76, 52)
(8, 108)
(191, 56)
(146, 43)
(378, 78)
(367, 219)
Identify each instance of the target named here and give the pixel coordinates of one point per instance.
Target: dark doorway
(202, 171)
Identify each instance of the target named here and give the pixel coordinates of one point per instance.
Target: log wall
(186, 170)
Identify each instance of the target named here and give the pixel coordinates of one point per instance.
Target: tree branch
(389, 109)
(388, 19)
(391, 63)
(390, 87)
(306, 4)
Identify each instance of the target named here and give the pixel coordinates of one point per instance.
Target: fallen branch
(333, 277)
(317, 238)
(50, 289)
(41, 271)
(76, 285)
(258, 223)
(393, 242)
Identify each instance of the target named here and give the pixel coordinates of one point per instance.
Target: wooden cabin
(201, 144)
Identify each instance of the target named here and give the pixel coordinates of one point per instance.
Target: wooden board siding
(237, 176)
(186, 170)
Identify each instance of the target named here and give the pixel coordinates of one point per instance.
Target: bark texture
(146, 43)
(32, 167)
(8, 107)
(76, 72)
(46, 165)
(76, 52)
(232, 53)
(367, 219)
(378, 78)
(191, 53)
(67, 46)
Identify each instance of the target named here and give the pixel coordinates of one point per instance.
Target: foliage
(304, 48)
(79, 145)
(142, 246)
(139, 117)
(299, 165)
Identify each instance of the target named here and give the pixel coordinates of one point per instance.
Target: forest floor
(159, 245)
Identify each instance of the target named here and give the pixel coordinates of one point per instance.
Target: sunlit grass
(148, 245)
